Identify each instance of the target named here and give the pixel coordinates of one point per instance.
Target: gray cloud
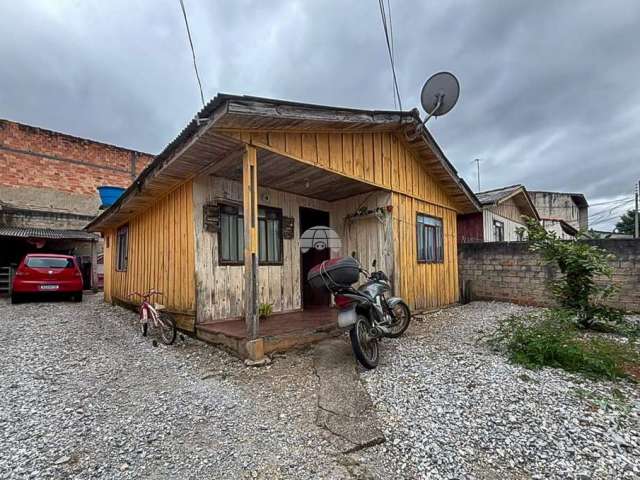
(549, 89)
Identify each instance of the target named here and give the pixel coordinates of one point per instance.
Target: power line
(393, 46)
(390, 50)
(609, 211)
(193, 52)
(607, 203)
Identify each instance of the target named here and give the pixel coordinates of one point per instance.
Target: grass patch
(553, 340)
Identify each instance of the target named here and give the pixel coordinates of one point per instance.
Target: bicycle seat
(159, 306)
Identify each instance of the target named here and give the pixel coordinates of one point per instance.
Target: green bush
(553, 340)
(580, 264)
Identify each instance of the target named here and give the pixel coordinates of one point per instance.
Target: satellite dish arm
(439, 98)
(416, 132)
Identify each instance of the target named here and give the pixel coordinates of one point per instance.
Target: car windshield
(49, 262)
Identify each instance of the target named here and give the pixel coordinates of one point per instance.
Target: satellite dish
(439, 94)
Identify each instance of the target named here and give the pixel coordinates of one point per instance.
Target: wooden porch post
(94, 265)
(250, 206)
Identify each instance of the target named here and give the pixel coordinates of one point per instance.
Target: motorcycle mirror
(373, 264)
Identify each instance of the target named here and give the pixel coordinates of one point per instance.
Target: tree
(627, 223)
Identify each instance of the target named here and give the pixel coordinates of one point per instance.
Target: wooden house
(215, 220)
(502, 219)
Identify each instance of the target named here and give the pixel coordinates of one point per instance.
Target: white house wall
(510, 227)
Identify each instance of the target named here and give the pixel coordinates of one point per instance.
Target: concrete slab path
(345, 409)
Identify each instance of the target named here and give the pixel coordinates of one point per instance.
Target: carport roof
(47, 233)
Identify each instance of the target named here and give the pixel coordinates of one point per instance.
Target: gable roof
(517, 192)
(178, 163)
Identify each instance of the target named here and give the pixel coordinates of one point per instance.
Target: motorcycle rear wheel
(364, 344)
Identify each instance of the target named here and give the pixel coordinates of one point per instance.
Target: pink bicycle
(154, 313)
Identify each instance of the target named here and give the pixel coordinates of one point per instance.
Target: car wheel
(15, 298)
(77, 297)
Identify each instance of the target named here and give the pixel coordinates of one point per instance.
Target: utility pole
(477, 160)
(637, 229)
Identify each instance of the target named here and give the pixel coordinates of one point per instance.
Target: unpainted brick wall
(80, 165)
(508, 271)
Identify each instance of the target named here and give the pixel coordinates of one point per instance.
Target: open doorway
(313, 297)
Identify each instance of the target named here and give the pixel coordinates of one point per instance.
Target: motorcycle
(365, 311)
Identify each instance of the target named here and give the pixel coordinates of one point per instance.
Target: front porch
(239, 194)
(279, 332)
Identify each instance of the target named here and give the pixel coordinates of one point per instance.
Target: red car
(40, 273)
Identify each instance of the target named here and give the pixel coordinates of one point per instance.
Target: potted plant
(265, 310)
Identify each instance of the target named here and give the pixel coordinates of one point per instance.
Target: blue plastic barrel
(109, 195)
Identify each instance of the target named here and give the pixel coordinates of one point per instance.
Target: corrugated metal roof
(48, 233)
(222, 101)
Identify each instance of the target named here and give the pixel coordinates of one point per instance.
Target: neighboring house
(246, 179)
(48, 192)
(560, 227)
(502, 219)
(558, 207)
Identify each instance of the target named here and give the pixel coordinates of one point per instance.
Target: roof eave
(220, 105)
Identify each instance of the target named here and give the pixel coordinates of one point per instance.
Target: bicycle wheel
(167, 326)
(143, 328)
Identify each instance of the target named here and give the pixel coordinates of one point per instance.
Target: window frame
(439, 253)
(122, 257)
(499, 224)
(240, 214)
(280, 246)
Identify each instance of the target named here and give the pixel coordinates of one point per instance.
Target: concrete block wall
(508, 271)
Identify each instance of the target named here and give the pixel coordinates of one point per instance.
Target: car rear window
(49, 262)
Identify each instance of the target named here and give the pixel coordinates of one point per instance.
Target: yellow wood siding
(161, 254)
(380, 158)
(384, 160)
(423, 285)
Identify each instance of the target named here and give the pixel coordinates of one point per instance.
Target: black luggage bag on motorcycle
(342, 271)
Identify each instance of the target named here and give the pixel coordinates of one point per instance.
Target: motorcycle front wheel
(402, 317)
(364, 344)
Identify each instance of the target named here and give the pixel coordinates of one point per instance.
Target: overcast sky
(550, 89)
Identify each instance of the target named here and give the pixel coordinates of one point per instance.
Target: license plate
(347, 318)
(48, 287)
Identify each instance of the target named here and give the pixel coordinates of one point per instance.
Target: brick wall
(43, 159)
(510, 272)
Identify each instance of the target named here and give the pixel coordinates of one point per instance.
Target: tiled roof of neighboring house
(518, 193)
(492, 197)
(48, 233)
(241, 111)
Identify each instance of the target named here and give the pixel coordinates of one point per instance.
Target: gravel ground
(452, 408)
(82, 395)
